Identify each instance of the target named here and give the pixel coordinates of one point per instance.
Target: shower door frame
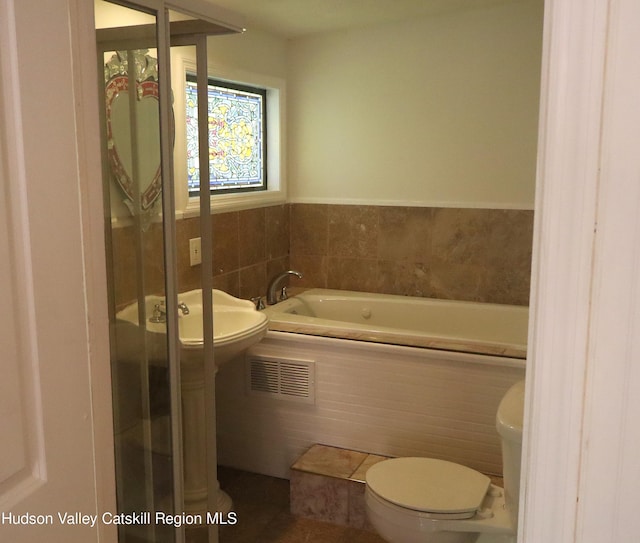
(161, 44)
(206, 14)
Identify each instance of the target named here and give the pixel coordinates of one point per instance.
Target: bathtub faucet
(272, 296)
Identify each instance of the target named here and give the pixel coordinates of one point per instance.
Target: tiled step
(327, 484)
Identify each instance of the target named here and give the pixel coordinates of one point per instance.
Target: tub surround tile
(353, 231)
(309, 229)
(464, 254)
(276, 266)
(249, 247)
(405, 233)
(277, 231)
(313, 268)
(404, 278)
(252, 280)
(352, 274)
(483, 255)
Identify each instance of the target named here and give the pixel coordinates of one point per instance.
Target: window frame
(242, 87)
(189, 206)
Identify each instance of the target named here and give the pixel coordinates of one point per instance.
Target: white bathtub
(400, 320)
(427, 381)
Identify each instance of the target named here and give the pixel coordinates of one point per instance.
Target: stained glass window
(236, 137)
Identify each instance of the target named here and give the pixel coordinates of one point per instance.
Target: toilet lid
(428, 485)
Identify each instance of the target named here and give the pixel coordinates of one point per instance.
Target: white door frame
(579, 473)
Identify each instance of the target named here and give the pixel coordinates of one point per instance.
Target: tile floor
(262, 506)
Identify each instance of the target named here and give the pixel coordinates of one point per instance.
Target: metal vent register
(292, 380)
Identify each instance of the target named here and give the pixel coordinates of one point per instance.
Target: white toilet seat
(401, 524)
(436, 488)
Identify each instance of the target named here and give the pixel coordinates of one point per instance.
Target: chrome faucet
(272, 297)
(160, 311)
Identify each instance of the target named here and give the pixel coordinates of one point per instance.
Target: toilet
(426, 500)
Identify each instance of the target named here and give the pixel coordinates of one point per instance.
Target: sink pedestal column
(194, 439)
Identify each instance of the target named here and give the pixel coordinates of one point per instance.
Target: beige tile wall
(248, 247)
(466, 254)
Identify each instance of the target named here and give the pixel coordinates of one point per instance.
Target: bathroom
(582, 383)
(403, 214)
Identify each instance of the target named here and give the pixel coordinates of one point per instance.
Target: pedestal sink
(237, 325)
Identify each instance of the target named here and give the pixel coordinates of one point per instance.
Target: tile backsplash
(454, 253)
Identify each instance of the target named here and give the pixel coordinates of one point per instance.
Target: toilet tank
(509, 425)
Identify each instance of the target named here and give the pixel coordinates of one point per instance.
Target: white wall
(438, 111)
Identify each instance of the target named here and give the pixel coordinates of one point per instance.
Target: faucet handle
(159, 314)
(283, 294)
(183, 308)
(259, 302)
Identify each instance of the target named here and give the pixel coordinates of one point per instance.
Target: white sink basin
(237, 325)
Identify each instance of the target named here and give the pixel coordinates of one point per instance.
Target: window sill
(223, 203)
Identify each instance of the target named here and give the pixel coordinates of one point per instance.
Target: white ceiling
(294, 18)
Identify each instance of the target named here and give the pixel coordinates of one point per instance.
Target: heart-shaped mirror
(134, 139)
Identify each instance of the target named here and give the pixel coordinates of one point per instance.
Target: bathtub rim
(282, 321)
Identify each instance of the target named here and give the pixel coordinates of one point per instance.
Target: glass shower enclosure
(158, 470)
